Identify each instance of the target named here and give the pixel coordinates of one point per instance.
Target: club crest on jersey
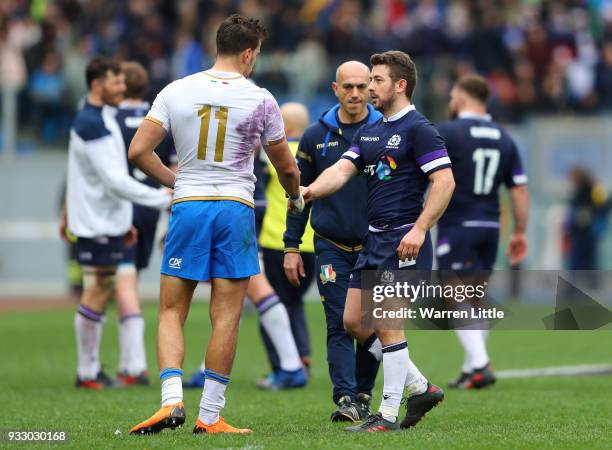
(394, 141)
(327, 274)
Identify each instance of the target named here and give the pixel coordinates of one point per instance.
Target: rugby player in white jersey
(98, 209)
(216, 118)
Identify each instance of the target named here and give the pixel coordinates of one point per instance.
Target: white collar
(222, 75)
(471, 115)
(398, 115)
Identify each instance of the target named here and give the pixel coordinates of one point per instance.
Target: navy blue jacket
(340, 217)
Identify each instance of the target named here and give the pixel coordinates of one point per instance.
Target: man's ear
(401, 85)
(96, 84)
(246, 55)
(334, 87)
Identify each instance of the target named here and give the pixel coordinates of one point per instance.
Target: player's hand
(294, 268)
(306, 193)
(63, 228)
(131, 237)
(296, 205)
(411, 244)
(170, 193)
(517, 248)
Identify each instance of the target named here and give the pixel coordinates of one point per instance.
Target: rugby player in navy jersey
(130, 114)
(484, 157)
(401, 155)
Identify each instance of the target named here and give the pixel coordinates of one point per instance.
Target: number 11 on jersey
(221, 115)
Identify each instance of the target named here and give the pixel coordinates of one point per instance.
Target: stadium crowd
(537, 56)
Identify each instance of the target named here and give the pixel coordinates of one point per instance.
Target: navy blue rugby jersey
(129, 117)
(397, 155)
(484, 156)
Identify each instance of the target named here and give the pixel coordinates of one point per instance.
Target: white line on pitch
(560, 371)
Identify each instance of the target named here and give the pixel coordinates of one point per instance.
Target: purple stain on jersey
(428, 157)
(250, 131)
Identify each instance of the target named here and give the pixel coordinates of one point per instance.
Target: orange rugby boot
(170, 416)
(220, 426)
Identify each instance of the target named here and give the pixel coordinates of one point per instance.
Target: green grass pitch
(38, 364)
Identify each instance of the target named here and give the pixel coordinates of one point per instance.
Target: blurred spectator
(46, 88)
(539, 57)
(16, 34)
(587, 220)
(603, 78)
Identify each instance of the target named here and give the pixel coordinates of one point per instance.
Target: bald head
(351, 88)
(296, 118)
(352, 69)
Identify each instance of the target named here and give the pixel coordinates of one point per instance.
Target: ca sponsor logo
(370, 138)
(175, 263)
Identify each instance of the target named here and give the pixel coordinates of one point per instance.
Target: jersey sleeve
(115, 177)
(515, 175)
(353, 154)
(430, 150)
(274, 127)
(159, 112)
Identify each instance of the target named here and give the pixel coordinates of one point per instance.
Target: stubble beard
(386, 105)
(109, 99)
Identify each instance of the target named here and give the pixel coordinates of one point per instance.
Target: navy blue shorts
(467, 248)
(380, 253)
(100, 251)
(145, 221)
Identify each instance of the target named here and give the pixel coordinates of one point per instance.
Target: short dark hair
(98, 67)
(401, 67)
(237, 33)
(475, 86)
(136, 79)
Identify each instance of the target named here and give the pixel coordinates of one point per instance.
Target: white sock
(416, 383)
(133, 358)
(485, 334)
(88, 326)
(395, 369)
(475, 348)
(171, 386)
(275, 320)
(213, 397)
(203, 367)
(374, 346)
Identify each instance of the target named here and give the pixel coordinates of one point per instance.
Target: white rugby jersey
(99, 188)
(216, 120)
